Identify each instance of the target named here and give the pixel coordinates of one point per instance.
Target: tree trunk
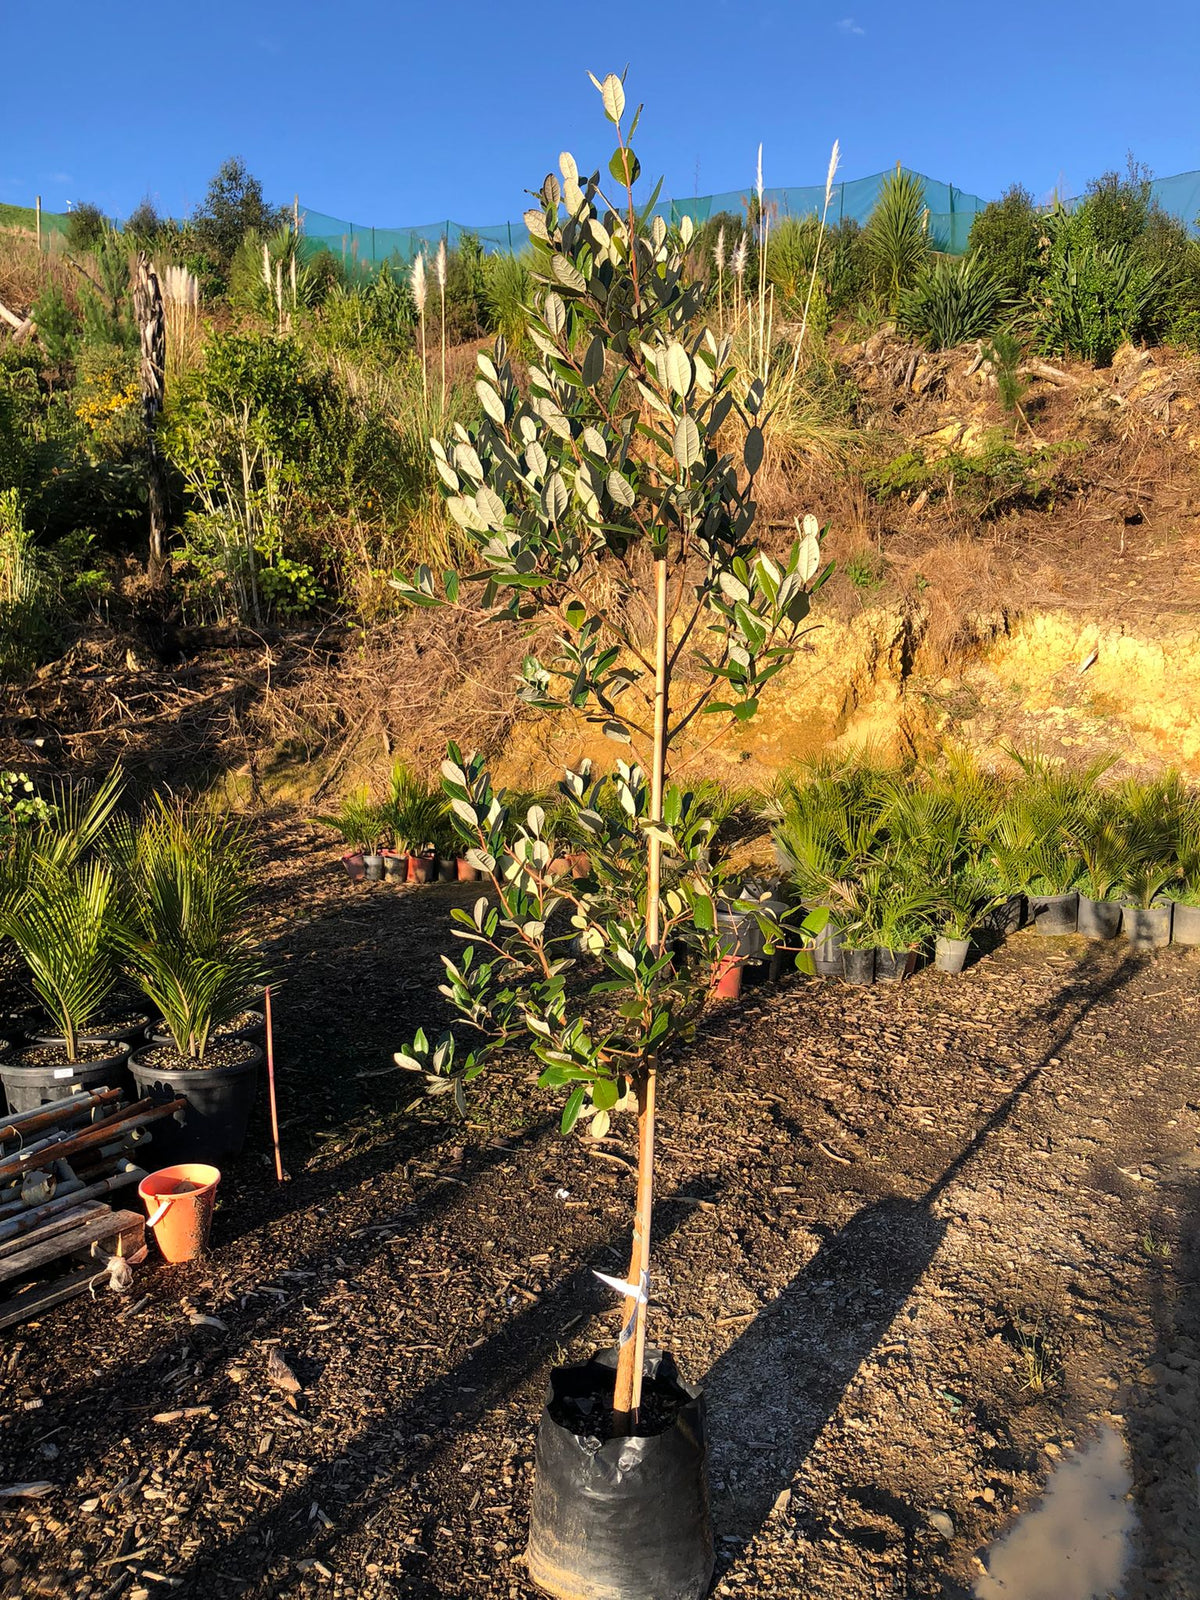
(627, 1396)
(148, 309)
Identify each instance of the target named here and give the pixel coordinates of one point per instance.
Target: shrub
(508, 295)
(950, 303)
(896, 238)
(1095, 297)
(791, 249)
(1005, 238)
(87, 226)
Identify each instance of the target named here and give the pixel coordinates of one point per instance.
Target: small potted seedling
(1107, 857)
(625, 464)
(191, 953)
(1145, 914)
(414, 812)
(66, 924)
(961, 908)
(1185, 894)
(362, 825)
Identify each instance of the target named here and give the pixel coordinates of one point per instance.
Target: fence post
(38, 209)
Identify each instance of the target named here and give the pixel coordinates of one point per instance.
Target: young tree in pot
(962, 906)
(1185, 894)
(67, 926)
(192, 955)
(611, 476)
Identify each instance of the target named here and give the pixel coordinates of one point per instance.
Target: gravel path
(920, 1243)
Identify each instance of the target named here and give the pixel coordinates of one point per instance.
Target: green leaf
(686, 444)
(593, 364)
(575, 613)
(612, 92)
(752, 453)
(619, 489)
(704, 913)
(679, 369)
(745, 710)
(604, 1094)
(572, 1108)
(617, 731)
(490, 401)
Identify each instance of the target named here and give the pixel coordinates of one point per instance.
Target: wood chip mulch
(919, 1243)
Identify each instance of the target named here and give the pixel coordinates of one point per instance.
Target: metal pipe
(17, 1226)
(26, 1122)
(14, 1166)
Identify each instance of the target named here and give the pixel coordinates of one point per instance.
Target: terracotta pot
(727, 978)
(355, 865)
(466, 872)
(422, 869)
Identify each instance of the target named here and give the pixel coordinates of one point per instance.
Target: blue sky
(399, 114)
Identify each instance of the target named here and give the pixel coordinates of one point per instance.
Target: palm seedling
(189, 947)
(66, 924)
(360, 821)
(414, 812)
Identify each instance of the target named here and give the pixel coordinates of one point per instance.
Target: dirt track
(884, 1218)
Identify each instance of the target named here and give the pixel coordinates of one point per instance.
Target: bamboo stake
(279, 1172)
(627, 1394)
(38, 208)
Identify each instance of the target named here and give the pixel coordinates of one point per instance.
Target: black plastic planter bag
(624, 1518)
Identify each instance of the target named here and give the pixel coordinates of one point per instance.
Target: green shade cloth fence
(951, 213)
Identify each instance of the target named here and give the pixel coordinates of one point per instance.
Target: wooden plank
(52, 1227)
(40, 1297)
(127, 1227)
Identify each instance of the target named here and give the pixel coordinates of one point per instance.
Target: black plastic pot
(827, 952)
(1054, 914)
(1185, 924)
(219, 1101)
(858, 966)
(447, 869)
(133, 1034)
(1098, 919)
(255, 1031)
(893, 966)
(627, 1518)
(29, 1086)
(395, 866)
(1147, 927)
(373, 868)
(1008, 917)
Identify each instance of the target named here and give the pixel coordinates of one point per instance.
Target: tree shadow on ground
(771, 1394)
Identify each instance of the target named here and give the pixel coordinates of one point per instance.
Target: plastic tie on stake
(639, 1293)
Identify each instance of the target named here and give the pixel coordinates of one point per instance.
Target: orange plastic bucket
(179, 1206)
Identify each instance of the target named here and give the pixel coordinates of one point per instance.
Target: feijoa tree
(609, 501)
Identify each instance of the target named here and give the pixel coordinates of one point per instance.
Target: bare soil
(917, 1242)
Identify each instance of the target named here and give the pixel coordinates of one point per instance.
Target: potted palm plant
(191, 953)
(66, 924)
(1106, 856)
(1145, 913)
(962, 907)
(1185, 895)
(362, 826)
(414, 812)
